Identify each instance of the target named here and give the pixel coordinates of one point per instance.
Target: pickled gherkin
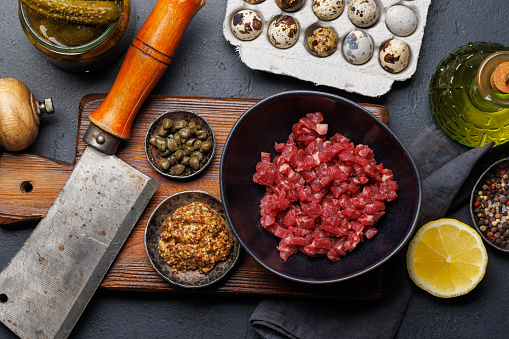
(69, 30)
(79, 11)
(64, 33)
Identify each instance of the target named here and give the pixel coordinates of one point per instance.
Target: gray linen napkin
(443, 172)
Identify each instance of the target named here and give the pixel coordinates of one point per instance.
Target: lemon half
(446, 258)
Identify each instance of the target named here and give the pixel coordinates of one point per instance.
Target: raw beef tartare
(322, 196)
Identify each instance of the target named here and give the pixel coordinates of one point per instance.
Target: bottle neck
(490, 88)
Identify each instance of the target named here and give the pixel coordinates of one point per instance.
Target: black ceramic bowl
(270, 121)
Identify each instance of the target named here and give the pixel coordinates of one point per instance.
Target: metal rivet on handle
(100, 139)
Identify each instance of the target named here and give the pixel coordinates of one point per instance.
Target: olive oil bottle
(468, 94)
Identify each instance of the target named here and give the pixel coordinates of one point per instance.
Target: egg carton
(368, 79)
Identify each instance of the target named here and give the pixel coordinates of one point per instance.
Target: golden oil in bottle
(463, 101)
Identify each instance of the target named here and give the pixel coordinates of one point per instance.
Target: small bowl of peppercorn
(180, 144)
(489, 205)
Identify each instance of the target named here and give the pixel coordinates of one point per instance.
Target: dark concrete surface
(207, 65)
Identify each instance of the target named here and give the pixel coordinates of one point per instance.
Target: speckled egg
(328, 9)
(254, 2)
(401, 20)
(290, 5)
(358, 47)
(394, 55)
(363, 13)
(322, 41)
(246, 24)
(283, 31)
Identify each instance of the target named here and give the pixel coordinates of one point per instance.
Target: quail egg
(283, 31)
(290, 5)
(328, 9)
(394, 55)
(322, 41)
(246, 24)
(358, 47)
(401, 20)
(254, 2)
(363, 13)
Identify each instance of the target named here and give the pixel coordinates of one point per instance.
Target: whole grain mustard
(195, 237)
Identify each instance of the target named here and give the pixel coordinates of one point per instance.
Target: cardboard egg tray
(368, 79)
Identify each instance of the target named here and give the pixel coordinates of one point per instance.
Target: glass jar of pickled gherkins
(78, 44)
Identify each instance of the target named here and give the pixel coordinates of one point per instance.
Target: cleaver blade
(53, 276)
(47, 285)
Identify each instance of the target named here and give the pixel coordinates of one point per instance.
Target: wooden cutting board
(30, 183)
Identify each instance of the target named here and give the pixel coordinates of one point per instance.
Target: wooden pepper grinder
(19, 115)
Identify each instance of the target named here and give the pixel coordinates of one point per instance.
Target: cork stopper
(500, 78)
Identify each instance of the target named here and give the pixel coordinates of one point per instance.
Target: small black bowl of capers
(180, 144)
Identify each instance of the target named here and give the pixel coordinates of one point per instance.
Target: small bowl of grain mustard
(188, 240)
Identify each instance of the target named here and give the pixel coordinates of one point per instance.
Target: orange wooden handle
(146, 61)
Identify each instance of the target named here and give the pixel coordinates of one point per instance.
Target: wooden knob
(19, 115)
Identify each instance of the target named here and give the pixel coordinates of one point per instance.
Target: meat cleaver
(49, 282)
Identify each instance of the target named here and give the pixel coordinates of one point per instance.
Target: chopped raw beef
(323, 197)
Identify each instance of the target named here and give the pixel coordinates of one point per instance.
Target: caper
(164, 153)
(201, 134)
(68, 34)
(167, 123)
(153, 141)
(205, 146)
(190, 142)
(185, 160)
(171, 144)
(188, 150)
(177, 139)
(173, 160)
(197, 154)
(197, 144)
(161, 144)
(179, 154)
(158, 139)
(162, 132)
(164, 163)
(192, 126)
(180, 124)
(194, 163)
(185, 132)
(178, 169)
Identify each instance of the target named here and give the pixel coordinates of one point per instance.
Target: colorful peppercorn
(490, 206)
